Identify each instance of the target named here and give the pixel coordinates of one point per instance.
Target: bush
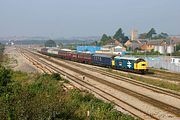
(5, 76)
(177, 53)
(56, 76)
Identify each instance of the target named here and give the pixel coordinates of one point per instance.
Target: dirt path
(18, 62)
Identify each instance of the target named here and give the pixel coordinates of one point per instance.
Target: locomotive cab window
(143, 64)
(140, 60)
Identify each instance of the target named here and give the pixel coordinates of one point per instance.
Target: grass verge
(159, 83)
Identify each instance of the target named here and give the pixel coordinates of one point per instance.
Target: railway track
(161, 105)
(124, 105)
(135, 82)
(45, 69)
(122, 78)
(166, 75)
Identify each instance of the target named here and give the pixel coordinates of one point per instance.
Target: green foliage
(178, 47)
(119, 35)
(50, 43)
(42, 97)
(5, 76)
(143, 36)
(150, 33)
(104, 39)
(56, 76)
(125, 40)
(161, 36)
(151, 81)
(95, 43)
(144, 53)
(177, 53)
(163, 84)
(99, 110)
(36, 100)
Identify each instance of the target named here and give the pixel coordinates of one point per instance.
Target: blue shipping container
(91, 49)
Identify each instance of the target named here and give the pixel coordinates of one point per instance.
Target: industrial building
(90, 49)
(112, 49)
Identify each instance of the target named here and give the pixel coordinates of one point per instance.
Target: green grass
(8, 62)
(159, 83)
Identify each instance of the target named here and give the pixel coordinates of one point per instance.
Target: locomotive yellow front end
(141, 65)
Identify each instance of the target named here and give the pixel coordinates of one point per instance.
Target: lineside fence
(163, 62)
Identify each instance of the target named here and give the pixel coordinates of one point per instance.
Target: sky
(69, 18)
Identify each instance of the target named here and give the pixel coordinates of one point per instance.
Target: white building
(175, 61)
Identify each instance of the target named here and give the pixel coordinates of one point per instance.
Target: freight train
(132, 64)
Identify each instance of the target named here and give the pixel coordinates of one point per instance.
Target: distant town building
(175, 40)
(113, 42)
(151, 45)
(112, 49)
(133, 45)
(175, 61)
(113, 46)
(161, 46)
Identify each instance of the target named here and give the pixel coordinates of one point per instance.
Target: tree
(50, 43)
(125, 40)
(150, 33)
(163, 35)
(119, 35)
(96, 43)
(143, 36)
(104, 39)
(177, 47)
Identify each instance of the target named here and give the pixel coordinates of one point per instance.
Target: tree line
(122, 38)
(152, 34)
(119, 36)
